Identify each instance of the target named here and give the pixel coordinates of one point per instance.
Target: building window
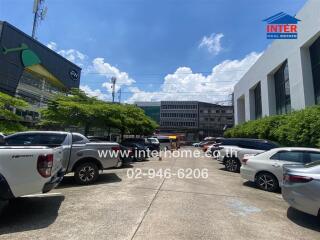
(257, 101)
(315, 64)
(282, 89)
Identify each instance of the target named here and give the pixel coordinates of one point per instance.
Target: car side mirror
(2, 140)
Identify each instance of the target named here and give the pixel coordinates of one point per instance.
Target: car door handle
(276, 165)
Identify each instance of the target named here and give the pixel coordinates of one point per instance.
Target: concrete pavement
(117, 207)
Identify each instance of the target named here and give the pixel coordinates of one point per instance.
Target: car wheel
(86, 173)
(232, 164)
(267, 181)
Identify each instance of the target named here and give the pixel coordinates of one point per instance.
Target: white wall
(300, 75)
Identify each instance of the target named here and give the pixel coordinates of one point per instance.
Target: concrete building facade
(287, 75)
(195, 119)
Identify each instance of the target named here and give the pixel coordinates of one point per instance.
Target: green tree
(78, 109)
(9, 121)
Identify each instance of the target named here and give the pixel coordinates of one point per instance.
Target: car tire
(267, 182)
(86, 173)
(232, 164)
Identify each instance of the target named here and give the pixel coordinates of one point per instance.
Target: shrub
(299, 128)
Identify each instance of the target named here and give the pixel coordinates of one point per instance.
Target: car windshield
(153, 140)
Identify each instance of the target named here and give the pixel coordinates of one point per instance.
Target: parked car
(154, 142)
(198, 143)
(127, 155)
(140, 152)
(301, 187)
(149, 143)
(29, 170)
(207, 145)
(232, 150)
(98, 139)
(80, 156)
(165, 142)
(266, 169)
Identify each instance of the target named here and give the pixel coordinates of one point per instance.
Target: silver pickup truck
(80, 156)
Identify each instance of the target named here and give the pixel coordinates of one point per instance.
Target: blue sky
(158, 49)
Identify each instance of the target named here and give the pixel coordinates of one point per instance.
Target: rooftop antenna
(40, 12)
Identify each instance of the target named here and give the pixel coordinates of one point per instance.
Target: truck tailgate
(19, 168)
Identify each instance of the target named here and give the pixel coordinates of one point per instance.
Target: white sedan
(266, 169)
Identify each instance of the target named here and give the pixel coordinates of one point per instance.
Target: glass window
(257, 101)
(313, 156)
(51, 139)
(289, 156)
(22, 140)
(282, 90)
(315, 64)
(78, 139)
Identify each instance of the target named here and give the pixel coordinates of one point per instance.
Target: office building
(194, 119)
(287, 76)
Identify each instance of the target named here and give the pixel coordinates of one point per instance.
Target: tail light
(297, 178)
(44, 165)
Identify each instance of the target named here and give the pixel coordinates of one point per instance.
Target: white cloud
(98, 66)
(72, 55)
(95, 93)
(52, 46)
(101, 67)
(212, 43)
(184, 84)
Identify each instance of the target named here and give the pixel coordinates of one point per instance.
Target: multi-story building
(287, 76)
(151, 109)
(214, 119)
(32, 71)
(179, 115)
(195, 119)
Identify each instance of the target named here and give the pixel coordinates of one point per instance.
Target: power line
(165, 74)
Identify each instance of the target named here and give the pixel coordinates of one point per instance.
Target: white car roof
(296, 149)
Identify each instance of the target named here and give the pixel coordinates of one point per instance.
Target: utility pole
(40, 12)
(113, 81)
(119, 92)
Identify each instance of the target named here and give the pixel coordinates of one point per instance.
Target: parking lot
(222, 206)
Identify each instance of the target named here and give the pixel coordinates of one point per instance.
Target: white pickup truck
(28, 170)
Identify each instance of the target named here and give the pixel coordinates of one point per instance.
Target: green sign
(29, 58)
